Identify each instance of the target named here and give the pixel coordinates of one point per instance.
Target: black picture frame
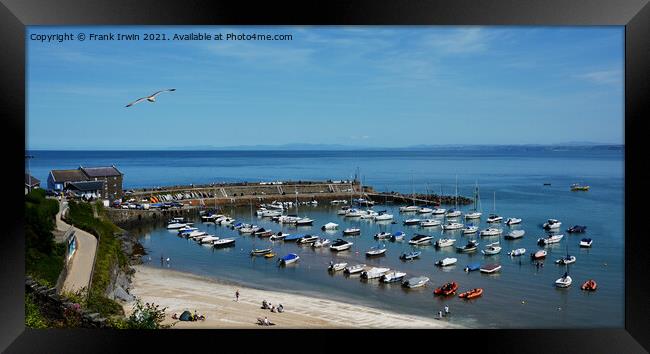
(634, 15)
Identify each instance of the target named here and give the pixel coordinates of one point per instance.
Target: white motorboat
(335, 267)
(397, 236)
(446, 262)
(491, 249)
(208, 239)
(224, 242)
(352, 231)
(187, 229)
(419, 239)
(409, 209)
(374, 272)
(515, 234)
(513, 221)
(321, 243)
(304, 221)
(439, 211)
(470, 229)
(248, 229)
(373, 252)
(425, 210)
(552, 224)
(564, 282)
(279, 236)
(450, 225)
(195, 234)
(392, 277)
(176, 225)
(330, 226)
(411, 221)
(415, 282)
(307, 239)
(369, 214)
(227, 221)
(430, 223)
(344, 210)
(288, 259)
(473, 215)
(383, 217)
(518, 252)
(445, 242)
(338, 201)
(453, 213)
(471, 246)
(353, 213)
(586, 242)
(566, 260)
(358, 268)
(271, 213)
(340, 245)
(550, 239)
(383, 235)
(491, 231)
(493, 218)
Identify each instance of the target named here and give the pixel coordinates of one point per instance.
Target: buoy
(523, 302)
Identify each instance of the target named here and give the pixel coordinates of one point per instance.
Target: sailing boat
(565, 281)
(454, 212)
(494, 217)
(438, 210)
(568, 259)
(477, 201)
(410, 208)
(301, 221)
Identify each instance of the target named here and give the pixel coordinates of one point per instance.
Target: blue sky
(370, 86)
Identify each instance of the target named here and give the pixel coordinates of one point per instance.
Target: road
(81, 264)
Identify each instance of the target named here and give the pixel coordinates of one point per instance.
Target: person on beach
(237, 295)
(266, 321)
(439, 314)
(273, 308)
(161, 260)
(280, 308)
(264, 305)
(446, 310)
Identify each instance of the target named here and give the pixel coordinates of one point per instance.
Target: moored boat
(415, 282)
(589, 285)
(445, 242)
(374, 272)
(260, 252)
(549, 240)
(564, 282)
(577, 229)
(515, 234)
(288, 259)
(446, 262)
(513, 221)
(471, 294)
(383, 235)
(472, 267)
(552, 224)
(586, 242)
(307, 239)
(330, 226)
(539, 254)
(410, 255)
(341, 245)
(392, 277)
(491, 231)
(374, 252)
(321, 243)
(411, 221)
(279, 236)
(397, 236)
(357, 268)
(224, 242)
(419, 239)
(352, 231)
(566, 260)
(518, 252)
(471, 246)
(491, 249)
(452, 226)
(490, 268)
(335, 267)
(430, 223)
(446, 289)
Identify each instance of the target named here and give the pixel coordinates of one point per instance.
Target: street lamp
(29, 173)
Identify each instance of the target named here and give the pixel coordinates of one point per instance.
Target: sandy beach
(183, 291)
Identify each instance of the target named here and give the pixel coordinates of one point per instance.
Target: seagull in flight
(151, 98)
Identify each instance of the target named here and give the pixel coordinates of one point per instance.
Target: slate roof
(68, 175)
(86, 186)
(35, 181)
(110, 171)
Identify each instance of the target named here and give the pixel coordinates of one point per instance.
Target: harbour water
(520, 296)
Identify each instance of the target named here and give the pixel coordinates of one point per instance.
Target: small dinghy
(518, 252)
(549, 240)
(330, 226)
(566, 260)
(374, 252)
(288, 259)
(490, 268)
(341, 245)
(352, 231)
(410, 256)
(515, 234)
(446, 262)
(513, 221)
(335, 267)
(447, 289)
(586, 242)
(224, 242)
(397, 236)
(589, 285)
(564, 282)
(260, 252)
(577, 228)
(471, 294)
(357, 268)
(269, 255)
(472, 267)
(471, 246)
(415, 282)
(392, 277)
(383, 235)
(321, 243)
(430, 223)
(539, 254)
(445, 242)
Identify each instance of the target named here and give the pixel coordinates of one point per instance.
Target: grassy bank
(43, 256)
(109, 254)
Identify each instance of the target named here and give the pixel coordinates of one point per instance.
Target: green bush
(33, 316)
(147, 316)
(43, 257)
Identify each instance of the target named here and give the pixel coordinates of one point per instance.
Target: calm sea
(511, 182)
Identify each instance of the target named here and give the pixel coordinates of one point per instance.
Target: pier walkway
(80, 267)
